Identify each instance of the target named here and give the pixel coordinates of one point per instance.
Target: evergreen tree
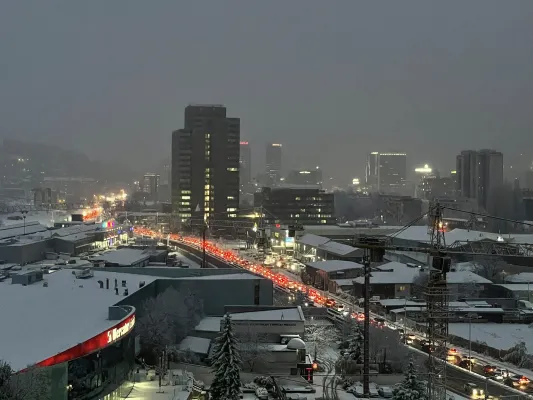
(226, 364)
(411, 388)
(355, 341)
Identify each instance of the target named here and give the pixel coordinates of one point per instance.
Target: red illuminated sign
(96, 343)
(244, 143)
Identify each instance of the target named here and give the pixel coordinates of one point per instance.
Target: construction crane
(436, 291)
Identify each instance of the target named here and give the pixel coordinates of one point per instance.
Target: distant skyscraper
(245, 167)
(386, 172)
(150, 184)
(273, 162)
(205, 164)
(372, 169)
(479, 173)
(305, 177)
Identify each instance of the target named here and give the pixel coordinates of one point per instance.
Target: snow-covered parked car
(261, 393)
(385, 392)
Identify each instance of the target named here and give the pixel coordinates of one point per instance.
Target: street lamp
(470, 316)
(24, 218)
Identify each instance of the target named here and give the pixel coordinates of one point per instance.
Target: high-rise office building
(479, 174)
(273, 162)
(150, 184)
(386, 172)
(372, 169)
(245, 167)
(205, 164)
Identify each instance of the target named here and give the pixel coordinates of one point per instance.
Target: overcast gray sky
(330, 79)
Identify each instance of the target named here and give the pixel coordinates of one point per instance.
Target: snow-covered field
(498, 336)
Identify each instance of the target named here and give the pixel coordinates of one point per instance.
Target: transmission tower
(437, 305)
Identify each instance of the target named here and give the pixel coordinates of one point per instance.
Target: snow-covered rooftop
(196, 344)
(43, 321)
(522, 277)
(19, 229)
(420, 234)
(343, 282)
(517, 287)
(395, 272)
(334, 265)
(124, 257)
(212, 324)
(237, 275)
(336, 248)
(312, 240)
(284, 314)
(459, 277)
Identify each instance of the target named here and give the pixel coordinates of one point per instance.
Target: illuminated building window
(185, 197)
(231, 209)
(231, 198)
(185, 192)
(232, 215)
(233, 169)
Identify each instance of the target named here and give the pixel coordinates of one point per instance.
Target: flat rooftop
(39, 322)
(123, 257)
(212, 324)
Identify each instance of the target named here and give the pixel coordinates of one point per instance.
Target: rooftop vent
(85, 273)
(141, 284)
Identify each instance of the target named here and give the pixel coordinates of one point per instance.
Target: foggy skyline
(331, 81)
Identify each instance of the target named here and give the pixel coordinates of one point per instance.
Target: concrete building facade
(205, 164)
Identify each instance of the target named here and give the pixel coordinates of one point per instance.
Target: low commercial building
(318, 248)
(296, 205)
(17, 247)
(324, 274)
(268, 330)
(397, 280)
(78, 324)
(126, 257)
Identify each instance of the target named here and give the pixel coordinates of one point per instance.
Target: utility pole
(204, 231)
(366, 327)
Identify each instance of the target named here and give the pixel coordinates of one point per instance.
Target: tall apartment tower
(205, 164)
(479, 173)
(245, 167)
(273, 162)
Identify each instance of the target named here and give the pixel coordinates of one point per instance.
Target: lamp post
(470, 317)
(24, 219)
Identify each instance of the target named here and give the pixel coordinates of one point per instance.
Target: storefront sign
(115, 334)
(96, 343)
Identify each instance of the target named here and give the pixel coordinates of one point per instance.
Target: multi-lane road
(456, 376)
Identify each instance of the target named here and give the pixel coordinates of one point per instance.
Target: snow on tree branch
(226, 364)
(411, 388)
(32, 384)
(252, 347)
(168, 318)
(319, 338)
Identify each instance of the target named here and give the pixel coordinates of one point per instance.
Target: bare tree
(167, 319)
(490, 268)
(252, 347)
(386, 349)
(320, 337)
(33, 383)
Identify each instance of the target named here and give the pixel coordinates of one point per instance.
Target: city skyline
(431, 79)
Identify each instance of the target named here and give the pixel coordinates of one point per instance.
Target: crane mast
(437, 305)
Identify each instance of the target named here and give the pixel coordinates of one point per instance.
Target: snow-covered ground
(498, 336)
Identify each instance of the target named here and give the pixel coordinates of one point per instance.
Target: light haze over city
(332, 81)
